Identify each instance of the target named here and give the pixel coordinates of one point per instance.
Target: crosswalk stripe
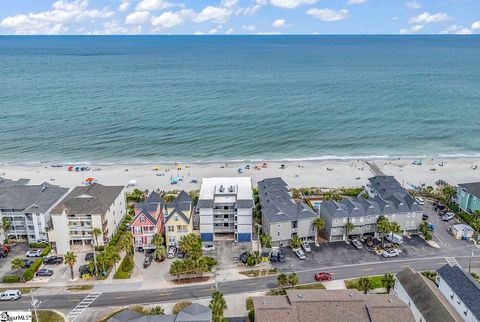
(85, 303)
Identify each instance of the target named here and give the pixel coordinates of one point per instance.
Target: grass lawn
(259, 272)
(353, 284)
(48, 316)
(249, 304)
(314, 286)
(79, 287)
(23, 290)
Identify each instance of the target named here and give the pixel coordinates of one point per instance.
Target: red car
(323, 277)
(6, 248)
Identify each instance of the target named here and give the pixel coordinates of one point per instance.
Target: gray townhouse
(282, 217)
(386, 197)
(27, 208)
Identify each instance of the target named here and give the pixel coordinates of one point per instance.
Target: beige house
(82, 210)
(178, 218)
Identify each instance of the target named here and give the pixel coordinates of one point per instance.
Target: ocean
(147, 99)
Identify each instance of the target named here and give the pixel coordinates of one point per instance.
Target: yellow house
(178, 218)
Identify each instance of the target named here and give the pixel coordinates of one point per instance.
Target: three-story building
(148, 220)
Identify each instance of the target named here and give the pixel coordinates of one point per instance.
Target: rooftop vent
(221, 189)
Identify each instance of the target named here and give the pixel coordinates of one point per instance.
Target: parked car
(208, 248)
(369, 242)
(390, 253)
(300, 254)
(243, 257)
(274, 255)
(394, 238)
(448, 216)
(42, 241)
(147, 261)
(44, 272)
(172, 251)
(53, 260)
(425, 217)
(6, 249)
(306, 247)
(180, 254)
(140, 249)
(10, 295)
(357, 244)
(88, 257)
(83, 270)
(323, 277)
(3, 254)
(420, 200)
(281, 256)
(34, 253)
(27, 262)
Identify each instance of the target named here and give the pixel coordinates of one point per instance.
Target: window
(278, 225)
(175, 218)
(142, 219)
(138, 240)
(462, 193)
(344, 220)
(361, 219)
(408, 223)
(278, 234)
(369, 218)
(170, 228)
(353, 220)
(137, 230)
(313, 228)
(413, 215)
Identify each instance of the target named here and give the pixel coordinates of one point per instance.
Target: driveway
(17, 250)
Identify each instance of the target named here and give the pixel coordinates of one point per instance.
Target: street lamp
(258, 236)
(35, 304)
(215, 276)
(470, 260)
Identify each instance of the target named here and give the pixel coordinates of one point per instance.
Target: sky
(220, 17)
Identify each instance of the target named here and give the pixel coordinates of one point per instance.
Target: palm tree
(95, 233)
(115, 258)
(449, 192)
(292, 280)
(319, 224)
(218, 305)
(5, 225)
(169, 198)
(191, 245)
(348, 229)
(266, 240)
(18, 263)
(70, 260)
(176, 269)
(296, 242)
(160, 253)
(388, 282)
(383, 227)
(157, 240)
(394, 227)
(365, 284)
(127, 242)
(157, 310)
(282, 280)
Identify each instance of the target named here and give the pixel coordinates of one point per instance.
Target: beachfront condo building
(27, 208)
(225, 206)
(282, 216)
(84, 209)
(148, 220)
(386, 197)
(179, 218)
(468, 196)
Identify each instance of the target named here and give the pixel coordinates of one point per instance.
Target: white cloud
(138, 18)
(459, 30)
(229, 3)
(412, 30)
(198, 33)
(214, 14)
(212, 31)
(413, 4)
(124, 6)
(328, 15)
(290, 4)
(51, 22)
(229, 31)
(278, 23)
(475, 25)
(426, 18)
(249, 27)
(269, 33)
(356, 1)
(171, 19)
(153, 5)
(250, 11)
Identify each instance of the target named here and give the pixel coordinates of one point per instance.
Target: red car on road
(323, 277)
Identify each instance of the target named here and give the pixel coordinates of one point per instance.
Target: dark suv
(53, 260)
(88, 257)
(147, 261)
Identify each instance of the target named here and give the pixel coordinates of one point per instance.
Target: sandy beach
(327, 173)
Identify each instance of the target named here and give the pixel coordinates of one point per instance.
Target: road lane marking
(77, 310)
(452, 261)
(120, 297)
(367, 269)
(251, 284)
(165, 294)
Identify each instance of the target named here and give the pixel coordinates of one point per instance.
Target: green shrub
(36, 264)
(11, 279)
(121, 275)
(99, 248)
(28, 274)
(251, 316)
(428, 235)
(46, 251)
(251, 261)
(180, 306)
(210, 261)
(38, 245)
(125, 269)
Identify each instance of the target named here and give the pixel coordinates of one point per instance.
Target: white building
(226, 208)
(27, 207)
(461, 290)
(86, 208)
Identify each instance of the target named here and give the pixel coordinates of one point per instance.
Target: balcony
(104, 224)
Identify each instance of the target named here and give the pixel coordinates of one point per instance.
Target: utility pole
(94, 257)
(35, 304)
(258, 237)
(215, 276)
(470, 260)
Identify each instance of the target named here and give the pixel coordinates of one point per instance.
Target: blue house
(468, 196)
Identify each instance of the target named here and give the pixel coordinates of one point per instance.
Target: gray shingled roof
(33, 197)
(4, 182)
(278, 205)
(391, 190)
(92, 199)
(423, 296)
(194, 313)
(472, 188)
(464, 285)
(182, 203)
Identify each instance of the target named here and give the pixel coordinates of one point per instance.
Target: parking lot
(17, 250)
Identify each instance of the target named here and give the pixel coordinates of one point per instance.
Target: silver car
(306, 247)
(300, 254)
(357, 244)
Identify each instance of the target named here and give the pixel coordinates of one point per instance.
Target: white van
(420, 200)
(10, 295)
(394, 238)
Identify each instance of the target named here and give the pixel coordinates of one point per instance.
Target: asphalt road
(69, 301)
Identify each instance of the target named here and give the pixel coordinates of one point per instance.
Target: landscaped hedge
(46, 251)
(30, 272)
(125, 269)
(37, 245)
(11, 279)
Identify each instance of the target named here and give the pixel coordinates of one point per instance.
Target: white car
(420, 200)
(208, 248)
(306, 247)
(34, 253)
(10, 295)
(172, 251)
(357, 244)
(448, 216)
(300, 254)
(390, 253)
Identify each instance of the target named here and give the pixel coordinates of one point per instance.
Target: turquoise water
(151, 99)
